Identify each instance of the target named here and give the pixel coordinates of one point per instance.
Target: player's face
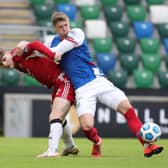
(7, 60)
(62, 28)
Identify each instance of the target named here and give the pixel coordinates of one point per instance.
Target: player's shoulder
(77, 35)
(76, 31)
(49, 38)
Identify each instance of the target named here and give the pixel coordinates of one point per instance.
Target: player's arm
(74, 39)
(26, 48)
(38, 46)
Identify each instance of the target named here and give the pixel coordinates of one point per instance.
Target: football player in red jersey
(42, 68)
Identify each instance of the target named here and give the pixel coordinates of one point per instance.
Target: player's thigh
(112, 98)
(60, 107)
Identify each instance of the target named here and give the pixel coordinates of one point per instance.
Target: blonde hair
(58, 16)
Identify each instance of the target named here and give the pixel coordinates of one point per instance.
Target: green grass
(116, 153)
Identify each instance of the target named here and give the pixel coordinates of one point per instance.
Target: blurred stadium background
(128, 40)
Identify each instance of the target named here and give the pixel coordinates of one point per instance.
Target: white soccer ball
(150, 132)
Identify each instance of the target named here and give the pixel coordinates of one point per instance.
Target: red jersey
(43, 69)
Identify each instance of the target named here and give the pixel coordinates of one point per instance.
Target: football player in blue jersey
(90, 85)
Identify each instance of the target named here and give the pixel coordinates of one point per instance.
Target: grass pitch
(116, 153)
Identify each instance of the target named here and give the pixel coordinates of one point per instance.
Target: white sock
(146, 145)
(54, 136)
(67, 136)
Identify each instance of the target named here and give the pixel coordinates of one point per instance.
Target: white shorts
(99, 89)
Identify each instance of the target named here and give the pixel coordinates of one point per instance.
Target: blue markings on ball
(146, 127)
(156, 129)
(150, 132)
(149, 136)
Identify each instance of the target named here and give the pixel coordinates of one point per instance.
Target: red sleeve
(37, 45)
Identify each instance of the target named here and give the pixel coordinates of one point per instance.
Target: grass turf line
(116, 153)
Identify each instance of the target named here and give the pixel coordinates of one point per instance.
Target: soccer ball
(150, 132)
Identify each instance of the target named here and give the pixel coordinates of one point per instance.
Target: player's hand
(57, 57)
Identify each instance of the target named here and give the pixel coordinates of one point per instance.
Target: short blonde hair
(58, 16)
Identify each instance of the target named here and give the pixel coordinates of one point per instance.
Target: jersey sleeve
(38, 46)
(48, 41)
(76, 36)
(74, 39)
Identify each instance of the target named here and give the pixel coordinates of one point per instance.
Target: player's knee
(55, 115)
(86, 126)
(86, 121)
(124, 106)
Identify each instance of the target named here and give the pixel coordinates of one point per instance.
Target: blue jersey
(77, 63)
